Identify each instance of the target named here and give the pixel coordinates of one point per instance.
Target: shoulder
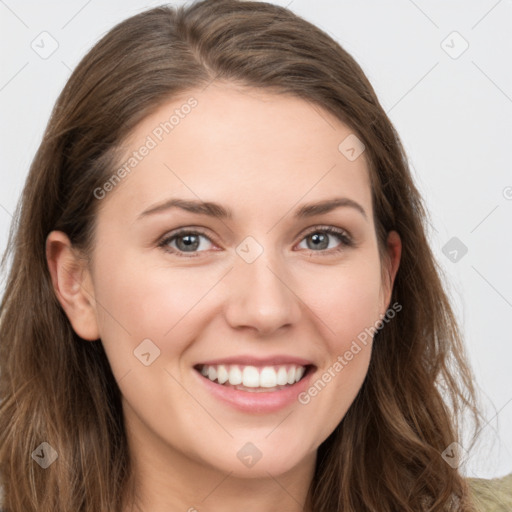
(492, 495)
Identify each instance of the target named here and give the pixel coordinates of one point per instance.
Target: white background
(454, 116)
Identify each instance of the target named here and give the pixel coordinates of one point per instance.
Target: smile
(255, 386)
(254, 378)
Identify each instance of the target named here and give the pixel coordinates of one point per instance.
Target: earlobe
(72, 285)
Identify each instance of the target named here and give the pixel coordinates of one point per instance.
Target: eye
(187, 242)
(319, 238)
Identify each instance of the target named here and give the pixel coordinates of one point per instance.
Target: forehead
(240, 146)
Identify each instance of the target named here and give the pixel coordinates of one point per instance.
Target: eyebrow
(220, 212)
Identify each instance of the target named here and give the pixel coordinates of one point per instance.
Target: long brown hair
(386, 454)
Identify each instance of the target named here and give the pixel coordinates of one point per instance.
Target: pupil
(187, 241)
(321, 238)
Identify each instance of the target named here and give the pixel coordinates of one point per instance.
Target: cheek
(347, 302)
(137, 302)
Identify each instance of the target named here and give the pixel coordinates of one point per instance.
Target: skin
(263, 156)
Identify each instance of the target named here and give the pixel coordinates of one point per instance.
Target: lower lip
(257, 402)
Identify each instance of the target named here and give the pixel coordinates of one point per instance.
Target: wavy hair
(386, 453)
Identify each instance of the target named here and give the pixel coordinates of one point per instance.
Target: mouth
(255, 385)
(255, 378)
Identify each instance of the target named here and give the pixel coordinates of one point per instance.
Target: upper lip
(247, 360)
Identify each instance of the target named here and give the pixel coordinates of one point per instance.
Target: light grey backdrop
(442, 72)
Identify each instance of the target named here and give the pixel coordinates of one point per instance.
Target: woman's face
(266, 286)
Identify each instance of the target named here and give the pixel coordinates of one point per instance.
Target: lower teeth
(259, 390)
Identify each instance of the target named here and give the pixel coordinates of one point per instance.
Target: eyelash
(346, 240)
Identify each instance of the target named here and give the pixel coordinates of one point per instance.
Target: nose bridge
(260, 294)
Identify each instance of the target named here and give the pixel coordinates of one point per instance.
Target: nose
(261, 296)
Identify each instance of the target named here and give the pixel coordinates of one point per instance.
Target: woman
(222, 293)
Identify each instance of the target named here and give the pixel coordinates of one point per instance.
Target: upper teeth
(252, 376)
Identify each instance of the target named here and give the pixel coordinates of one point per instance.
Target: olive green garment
(492, 495)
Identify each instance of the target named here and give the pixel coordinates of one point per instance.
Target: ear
(391, 264)
(72, 284)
